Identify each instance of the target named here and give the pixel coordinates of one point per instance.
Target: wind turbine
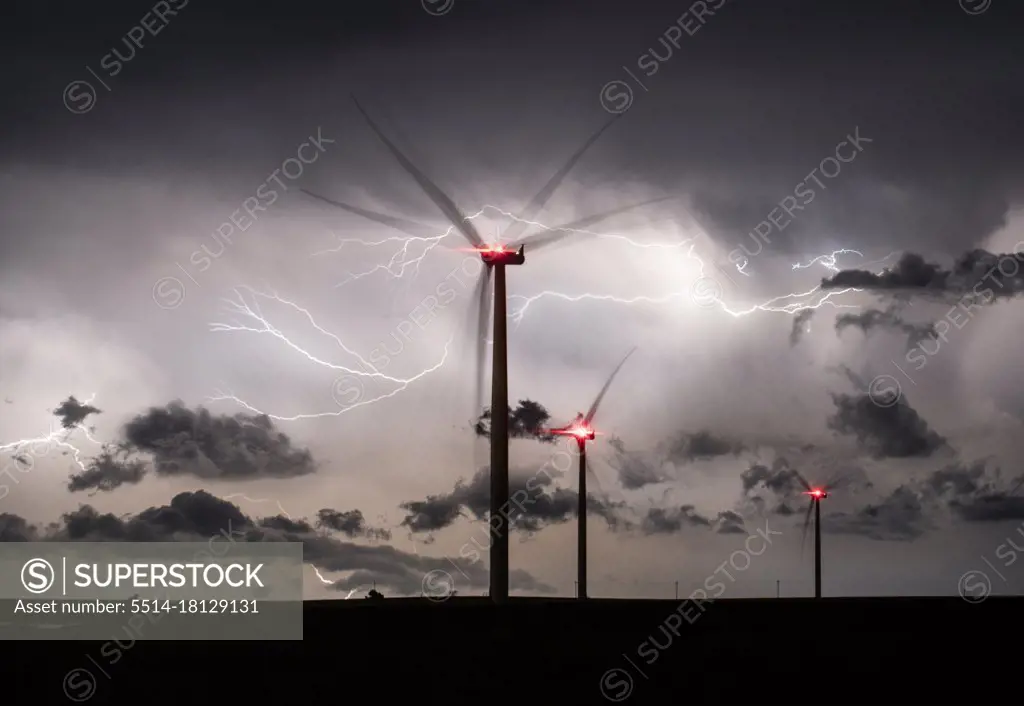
(496, 257)
(817, 494)
(582, 431)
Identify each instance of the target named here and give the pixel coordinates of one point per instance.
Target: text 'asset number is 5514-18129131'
(221, 606)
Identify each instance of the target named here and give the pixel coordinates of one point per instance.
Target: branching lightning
(811, 299)
(405, 261)
(259, 324)
(400, 263)
(828, 261)
(58, 435)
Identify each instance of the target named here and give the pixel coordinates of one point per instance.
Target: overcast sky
(155, 247)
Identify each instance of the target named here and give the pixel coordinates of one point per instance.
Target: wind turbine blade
(557, 233)
(440, 199)
(600, 396)
(541, 198)
(807, 525)
(480, 318)
(402, 225)
(803, 481)
(482, 301)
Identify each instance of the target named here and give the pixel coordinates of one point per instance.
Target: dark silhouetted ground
(864, 651)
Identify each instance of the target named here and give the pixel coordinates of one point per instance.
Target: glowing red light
(817, 492)
(580, 431)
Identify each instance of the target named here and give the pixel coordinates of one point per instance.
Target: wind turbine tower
(495, 258)
(582, 431)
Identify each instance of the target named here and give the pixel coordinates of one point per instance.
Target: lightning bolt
(401, 262)
(284, 512)
(829, 261)
(58, 435)
(280, 507)
(813, 298)
(259, 324)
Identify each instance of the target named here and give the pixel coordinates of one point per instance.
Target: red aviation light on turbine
(816, 493)
(579, 429)
(501, 255)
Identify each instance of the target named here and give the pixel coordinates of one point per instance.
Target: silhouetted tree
(375, 595)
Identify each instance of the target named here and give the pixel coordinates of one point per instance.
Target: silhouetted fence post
(677, 590)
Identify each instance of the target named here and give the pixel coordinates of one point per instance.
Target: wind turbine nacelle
(501, 256)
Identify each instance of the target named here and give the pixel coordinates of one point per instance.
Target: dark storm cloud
(635, 470)
(910, 272)
(183, 441)
(976, 275)
(941, 164)
(72, 412)
(350, 523)
(959, 480)
(779, 479)
(899, 516)
(995, 507)
(534, 504)
(871, 319)
(108, 471)
(677, 519)
(973, 492)
(528, 420)
(700, 445)
(890, 430)
(199, 517)
(15, 529)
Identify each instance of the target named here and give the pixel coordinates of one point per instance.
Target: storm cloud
(534, 503)
(199, 517)
(887, 428)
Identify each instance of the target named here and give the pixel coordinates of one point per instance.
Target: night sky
(826, 286)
